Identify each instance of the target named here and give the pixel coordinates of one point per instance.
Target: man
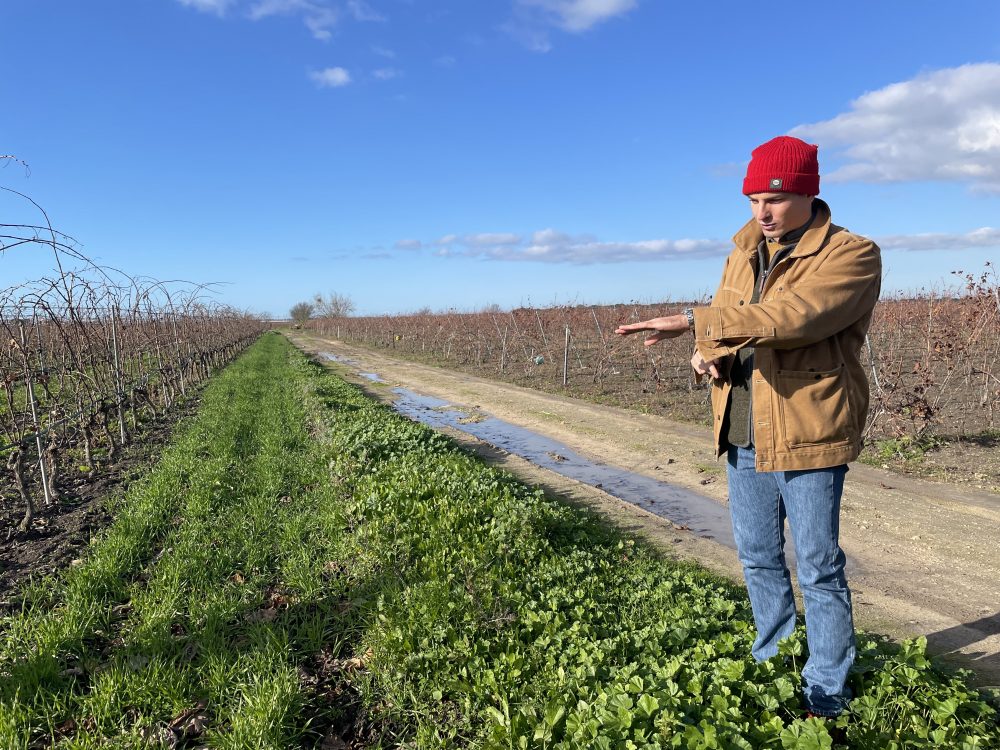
(781, 341)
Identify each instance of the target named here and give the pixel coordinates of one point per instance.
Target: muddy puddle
(372, 376)
(337, 358)
(687, 510)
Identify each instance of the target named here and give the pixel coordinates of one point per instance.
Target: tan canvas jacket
(809, 388)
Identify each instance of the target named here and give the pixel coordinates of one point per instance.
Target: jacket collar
(750, 236)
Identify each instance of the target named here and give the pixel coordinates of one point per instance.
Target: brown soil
(61, 530)
(924, 556)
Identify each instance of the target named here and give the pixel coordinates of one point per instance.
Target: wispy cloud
(320, 22)
(983, 237)
(551, 246)
(532, 19)
(491, 239)
(266, 8)
(331, 77)
(384, 52)
(529, 35)
(319, 16)
(942, 125)
(218, 7)
(362, 11)
(578, 15)
(385, 74)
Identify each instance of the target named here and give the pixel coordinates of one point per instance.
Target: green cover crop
(306, 566)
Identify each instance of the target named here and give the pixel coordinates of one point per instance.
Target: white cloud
(532, 19)
(331, 77)
(267, 8)
(942, 125)
(551, 246)
(219, 7)
(384, 52)
(385, 74)
(551, 236)
(489, 239)
(558, 248)
(983, 237)
(319, 16)
(579, 15)
(320, 21)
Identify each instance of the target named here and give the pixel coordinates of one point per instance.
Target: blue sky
(412, 153)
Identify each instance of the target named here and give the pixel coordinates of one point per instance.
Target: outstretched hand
(667, 327)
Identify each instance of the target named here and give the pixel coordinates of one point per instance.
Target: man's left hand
(667, 327)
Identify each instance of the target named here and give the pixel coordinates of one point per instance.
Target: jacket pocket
(815, 410)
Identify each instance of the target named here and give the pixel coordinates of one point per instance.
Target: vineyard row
(934, 360)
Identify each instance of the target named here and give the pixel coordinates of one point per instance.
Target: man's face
(779, 213)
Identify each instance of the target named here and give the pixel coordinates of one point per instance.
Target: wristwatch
(689, 314)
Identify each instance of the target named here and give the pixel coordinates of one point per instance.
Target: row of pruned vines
(89, 355)
(933, 357)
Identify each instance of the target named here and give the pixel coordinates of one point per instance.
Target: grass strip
(204, 640)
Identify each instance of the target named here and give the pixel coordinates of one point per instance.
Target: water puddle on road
(685, 509)
(372, 376)
(338, 358)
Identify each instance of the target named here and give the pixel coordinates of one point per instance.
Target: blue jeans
(810, 499)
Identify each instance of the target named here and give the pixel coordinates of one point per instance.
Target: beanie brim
(804, 184)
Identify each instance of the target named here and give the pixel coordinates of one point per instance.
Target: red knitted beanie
(783, 165)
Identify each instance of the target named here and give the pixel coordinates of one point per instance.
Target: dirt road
(924, 557)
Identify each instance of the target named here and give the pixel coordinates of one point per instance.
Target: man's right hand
(705, 367)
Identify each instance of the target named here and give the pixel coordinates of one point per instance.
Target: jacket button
(741, 302)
